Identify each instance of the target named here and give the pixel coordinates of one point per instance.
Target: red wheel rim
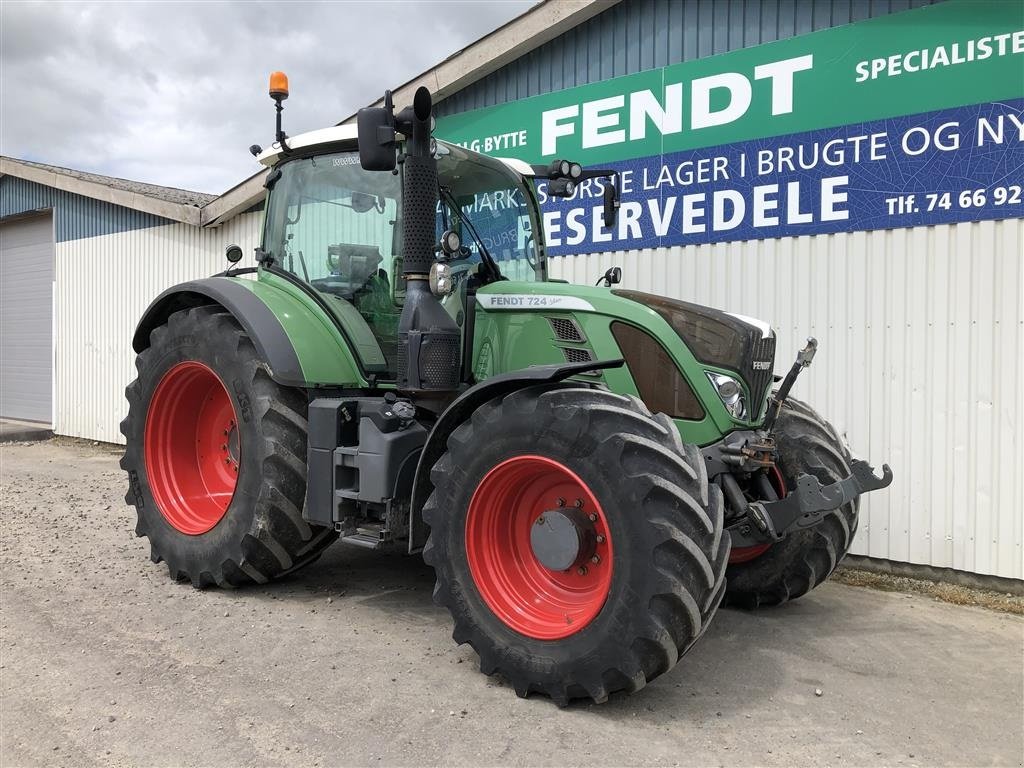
(746, 554)
(192, 448)
(528, 597)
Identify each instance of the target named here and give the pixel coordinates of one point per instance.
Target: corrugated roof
(167, 194)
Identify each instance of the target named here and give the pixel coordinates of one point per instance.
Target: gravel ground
(105, 661)
(948, 593)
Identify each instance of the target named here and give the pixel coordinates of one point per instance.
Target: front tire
(627, 607)
(215, 456)
(794, 566)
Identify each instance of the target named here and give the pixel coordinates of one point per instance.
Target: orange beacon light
(278, 86)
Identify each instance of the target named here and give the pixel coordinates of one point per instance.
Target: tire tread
(279, 540)
(687, 575)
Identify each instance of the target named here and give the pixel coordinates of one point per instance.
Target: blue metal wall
(74, 216)
(635, 35)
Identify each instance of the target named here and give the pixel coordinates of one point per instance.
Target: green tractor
(589, 470)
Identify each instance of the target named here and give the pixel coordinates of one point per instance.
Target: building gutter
(187, 214)
(237, 199)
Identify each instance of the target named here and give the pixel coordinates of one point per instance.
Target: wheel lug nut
(578, 503)
(600, 539)
(582, 571)
(595, 559)
(561, 501)
(593, 517)
(540, 520)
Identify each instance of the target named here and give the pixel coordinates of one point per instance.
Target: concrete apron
(15, 431)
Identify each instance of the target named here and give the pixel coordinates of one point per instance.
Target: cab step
(367, 535)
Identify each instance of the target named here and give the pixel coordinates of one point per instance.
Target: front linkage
(758, 515)
(811, 500)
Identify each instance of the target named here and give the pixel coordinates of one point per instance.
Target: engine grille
(437, 354)
(566, 329)
(760, 380)
(573, 355)
(577, 355)
(439, 361)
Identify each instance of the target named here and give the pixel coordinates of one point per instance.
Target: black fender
(462, 408)
(255, 317)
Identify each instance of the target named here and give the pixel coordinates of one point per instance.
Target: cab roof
(347, 134)
(336, 134)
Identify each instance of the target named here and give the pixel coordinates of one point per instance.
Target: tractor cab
(338, 228)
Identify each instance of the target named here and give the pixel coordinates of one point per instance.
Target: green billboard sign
(951, 54)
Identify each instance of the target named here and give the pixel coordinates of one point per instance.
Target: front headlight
(731, 393)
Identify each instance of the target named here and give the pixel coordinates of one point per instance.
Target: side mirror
(233, 253)
(612, 277)
(376, 129)
(611, 204)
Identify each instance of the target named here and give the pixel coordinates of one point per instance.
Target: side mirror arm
(610, 197)
(564, 184)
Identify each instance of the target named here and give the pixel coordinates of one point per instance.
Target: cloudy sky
(174, 92)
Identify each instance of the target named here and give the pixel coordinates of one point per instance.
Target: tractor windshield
(492, 210)
(332, 224)
(337, 228)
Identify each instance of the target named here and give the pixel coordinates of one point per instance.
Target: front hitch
(811, 501)
(773, 519)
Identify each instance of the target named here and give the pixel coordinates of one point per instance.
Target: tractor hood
(737, 343)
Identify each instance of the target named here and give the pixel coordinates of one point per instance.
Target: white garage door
(26, 318)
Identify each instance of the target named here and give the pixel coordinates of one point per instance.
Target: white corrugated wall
(103, 285)
(922, 336)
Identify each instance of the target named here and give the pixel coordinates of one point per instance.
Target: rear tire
(793, 567)
(662, 552)
(202, 369)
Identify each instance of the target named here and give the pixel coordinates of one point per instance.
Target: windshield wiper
(485, 255)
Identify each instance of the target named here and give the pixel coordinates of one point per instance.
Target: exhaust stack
(429, 341)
